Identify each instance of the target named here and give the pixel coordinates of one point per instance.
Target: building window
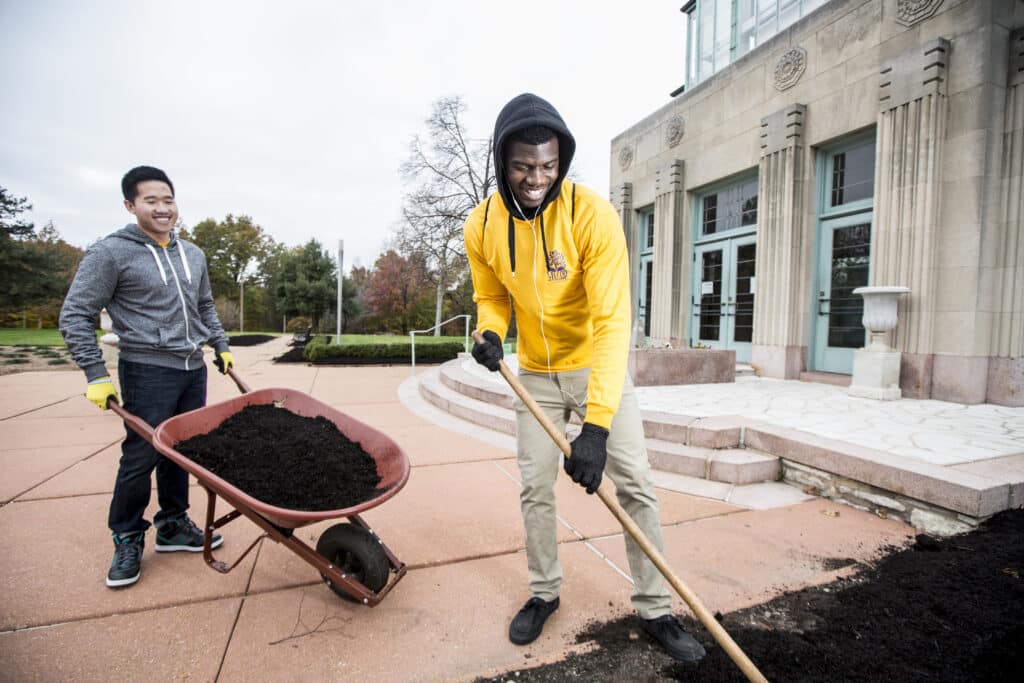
(729, 208)
(853, 175)
(718, 32)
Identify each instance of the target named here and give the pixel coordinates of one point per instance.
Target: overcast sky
(299, 113)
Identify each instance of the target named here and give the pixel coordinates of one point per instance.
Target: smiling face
(531, 170)
(154, 209)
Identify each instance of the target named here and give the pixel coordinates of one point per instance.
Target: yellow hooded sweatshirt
(573, 308)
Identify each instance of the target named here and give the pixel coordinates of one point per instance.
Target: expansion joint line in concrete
(47, 405)
(238, 613)
(60, 472)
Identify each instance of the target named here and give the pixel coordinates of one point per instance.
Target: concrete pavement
(456, 525)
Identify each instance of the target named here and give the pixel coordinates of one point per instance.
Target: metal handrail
(413, 333)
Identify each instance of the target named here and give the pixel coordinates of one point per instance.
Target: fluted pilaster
(671, 242)
(911, 130)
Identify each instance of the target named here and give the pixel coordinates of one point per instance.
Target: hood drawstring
(184, 263)
(163, 273)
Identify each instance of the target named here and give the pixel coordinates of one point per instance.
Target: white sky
(299, 113)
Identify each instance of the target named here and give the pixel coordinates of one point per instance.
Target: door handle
(823, 300)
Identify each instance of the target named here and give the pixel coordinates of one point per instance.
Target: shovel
(606, 495)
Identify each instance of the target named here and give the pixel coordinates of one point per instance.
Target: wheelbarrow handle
(608, 498)
(134, 422)
(239, 382)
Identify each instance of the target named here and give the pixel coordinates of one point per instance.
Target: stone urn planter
(876, 367)
(109, 341)
(657, 367)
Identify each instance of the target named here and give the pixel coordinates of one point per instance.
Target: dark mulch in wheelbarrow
(940, 610)
(284, 459)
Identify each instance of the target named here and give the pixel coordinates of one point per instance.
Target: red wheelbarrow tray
(392, 463)
(277, 522)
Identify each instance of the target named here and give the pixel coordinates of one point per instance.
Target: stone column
(671, 242)
(622, 200)
(779, 300)
(1006, 365)
(908, 163)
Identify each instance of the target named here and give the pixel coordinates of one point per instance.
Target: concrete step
(834, 378)
(745, 370)
(728, 465)
(483, 413)
(456, 377)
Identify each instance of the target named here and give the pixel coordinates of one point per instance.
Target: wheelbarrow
(350, 557)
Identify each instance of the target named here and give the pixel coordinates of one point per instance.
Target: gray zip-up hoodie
(158, 298)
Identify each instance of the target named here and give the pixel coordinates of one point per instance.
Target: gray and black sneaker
(126, 565)
(181, 534)
(529, 621)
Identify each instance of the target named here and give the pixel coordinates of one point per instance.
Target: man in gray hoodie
(157, 291)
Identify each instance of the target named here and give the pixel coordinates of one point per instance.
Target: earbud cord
(540, 303)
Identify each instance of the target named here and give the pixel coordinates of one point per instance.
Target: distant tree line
(421, 278)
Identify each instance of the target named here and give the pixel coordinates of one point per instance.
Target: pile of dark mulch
(250, 339)
(941, 610)
(284, 459)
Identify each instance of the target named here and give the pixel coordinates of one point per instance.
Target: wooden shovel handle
(607, 496)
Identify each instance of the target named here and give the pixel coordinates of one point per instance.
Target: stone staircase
(699, 448)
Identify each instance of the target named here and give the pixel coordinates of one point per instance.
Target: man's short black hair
(140, 174)
(532, 135)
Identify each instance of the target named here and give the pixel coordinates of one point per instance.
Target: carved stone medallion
(909, 12)
(625, 157)
(790, 68)
(674, 130)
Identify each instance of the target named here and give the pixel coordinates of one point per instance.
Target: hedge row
(443, 351)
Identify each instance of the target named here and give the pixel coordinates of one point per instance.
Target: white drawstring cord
(163, 274)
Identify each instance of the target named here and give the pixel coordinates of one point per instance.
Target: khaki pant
(558, 394)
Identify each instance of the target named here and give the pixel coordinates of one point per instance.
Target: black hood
(523, 111)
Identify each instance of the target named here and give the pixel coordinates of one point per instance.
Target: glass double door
(844, 257)
(724, 288)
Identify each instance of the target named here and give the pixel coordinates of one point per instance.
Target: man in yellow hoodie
(555, 252)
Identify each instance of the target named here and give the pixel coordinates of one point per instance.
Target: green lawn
(32, 337)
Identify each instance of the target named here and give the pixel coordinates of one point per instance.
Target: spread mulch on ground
(284, 459)
(250, 339)
(940, 610)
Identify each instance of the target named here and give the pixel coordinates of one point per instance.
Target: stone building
(819, 146)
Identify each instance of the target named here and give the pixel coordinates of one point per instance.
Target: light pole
(341, 261)
(241, 305)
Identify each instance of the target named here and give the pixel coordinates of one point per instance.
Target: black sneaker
(529, 622)
(126, 565)
(181, 533)
(679, 644)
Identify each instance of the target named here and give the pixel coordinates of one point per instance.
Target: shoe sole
(121, 583)
(187, 548)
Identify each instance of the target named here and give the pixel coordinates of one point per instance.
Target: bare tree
(450, 174)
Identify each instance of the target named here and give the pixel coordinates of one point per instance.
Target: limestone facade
(934, 91)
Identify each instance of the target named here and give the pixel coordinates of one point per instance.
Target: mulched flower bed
(250, 339)
(941, 610)
(284, 459)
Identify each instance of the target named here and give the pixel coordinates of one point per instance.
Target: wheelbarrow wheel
(356, 552)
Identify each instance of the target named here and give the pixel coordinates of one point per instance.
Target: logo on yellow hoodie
(556, 266)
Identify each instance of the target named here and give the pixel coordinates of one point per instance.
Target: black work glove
(589, 452)
(489, 353)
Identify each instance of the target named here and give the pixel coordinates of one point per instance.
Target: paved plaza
(456, 525)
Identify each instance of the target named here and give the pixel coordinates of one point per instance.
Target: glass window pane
(723, 33)
(851, 250)
(746, 26)
(767, 11)
(710, 302)
(745, 259)
(809, 6)
(789, 12)
(693, 38)
(707, 38)
(650, 231)
(709, 221)
(853, 175)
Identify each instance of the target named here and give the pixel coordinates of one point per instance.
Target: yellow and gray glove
(224, 362)
(100, 390)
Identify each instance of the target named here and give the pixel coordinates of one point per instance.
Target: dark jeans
(154, 394)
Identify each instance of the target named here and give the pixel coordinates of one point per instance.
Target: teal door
(844, 255)
(724, 289)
